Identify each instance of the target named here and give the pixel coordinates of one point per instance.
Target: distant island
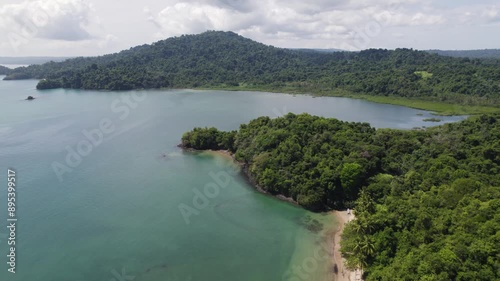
(4, 70)
(30, 60)
(426, 201)
(225, 60)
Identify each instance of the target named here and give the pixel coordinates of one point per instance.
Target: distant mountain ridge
(318, 50)
(30, 60)
(217, 59)
(476, 54)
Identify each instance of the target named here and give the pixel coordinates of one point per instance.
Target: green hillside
(427, 202)
(226, 60)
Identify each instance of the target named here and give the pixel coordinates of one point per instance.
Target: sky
(97, 27)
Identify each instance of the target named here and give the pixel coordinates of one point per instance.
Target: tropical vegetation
(227, 60)
(427, 202)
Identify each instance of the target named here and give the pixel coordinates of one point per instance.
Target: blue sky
(95, 27)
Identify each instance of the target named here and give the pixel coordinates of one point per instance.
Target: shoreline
(437, 108)
(226, 154)
(341, 217)
(343, 274)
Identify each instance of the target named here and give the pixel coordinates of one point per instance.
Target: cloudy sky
(95, 27)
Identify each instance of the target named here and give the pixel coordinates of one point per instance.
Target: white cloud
(292, 20)
(62, 23)
(74, 25)
(67, 20)
(408, 19)
(191, 17)
(475, 15)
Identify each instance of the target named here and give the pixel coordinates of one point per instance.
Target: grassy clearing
(432, 120)
(439, 108)
(424, 74)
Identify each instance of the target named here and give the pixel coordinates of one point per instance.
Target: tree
(351, 176)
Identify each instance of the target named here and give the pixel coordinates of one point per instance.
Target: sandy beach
(224, 154)
(342, 217)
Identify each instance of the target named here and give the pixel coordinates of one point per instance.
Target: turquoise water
(105, 194)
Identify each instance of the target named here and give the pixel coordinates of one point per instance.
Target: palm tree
(367, 246)
(361, 226)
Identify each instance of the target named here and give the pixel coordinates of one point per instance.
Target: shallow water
(101, 185)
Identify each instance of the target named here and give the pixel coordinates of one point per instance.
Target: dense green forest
(427, 201)
(224, 59)
(4, 70)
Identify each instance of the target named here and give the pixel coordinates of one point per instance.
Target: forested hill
(225, 59)
(427, 202)
(30, 60)
(473, 54)
(210, 58)
(4, 70)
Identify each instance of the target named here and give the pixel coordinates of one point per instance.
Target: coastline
(342, 217)
(341, 273)
(437, 108)
(226, 154)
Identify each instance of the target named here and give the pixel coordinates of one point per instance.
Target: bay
(114, 207)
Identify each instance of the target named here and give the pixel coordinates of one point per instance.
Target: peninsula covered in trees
(427, 202)
(225, 60)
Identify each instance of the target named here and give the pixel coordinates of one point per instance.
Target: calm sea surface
(103, 193)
